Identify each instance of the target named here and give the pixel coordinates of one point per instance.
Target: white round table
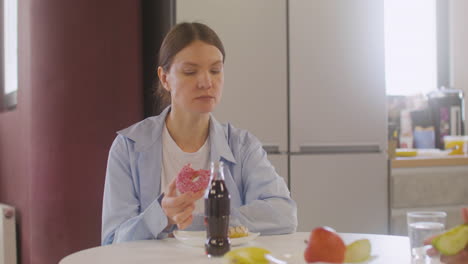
(289, 248)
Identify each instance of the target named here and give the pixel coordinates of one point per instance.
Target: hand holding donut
(179, 208)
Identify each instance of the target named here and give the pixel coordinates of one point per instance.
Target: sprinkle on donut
(190, 180)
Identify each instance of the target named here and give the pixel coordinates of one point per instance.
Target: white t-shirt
(174, 159)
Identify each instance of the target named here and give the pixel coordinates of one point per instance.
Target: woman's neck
(189, 131)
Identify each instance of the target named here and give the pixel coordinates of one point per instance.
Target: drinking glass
(422, 225)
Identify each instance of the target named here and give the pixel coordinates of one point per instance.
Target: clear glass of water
(422, 225)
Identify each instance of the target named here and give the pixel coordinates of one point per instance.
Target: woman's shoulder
(141, 128)
(239, 136)
(145, 129)
(143, 133)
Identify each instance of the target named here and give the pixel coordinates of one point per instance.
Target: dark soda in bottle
(217, 211)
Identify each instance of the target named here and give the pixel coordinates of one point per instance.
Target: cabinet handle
(271, 149)
(337, 149)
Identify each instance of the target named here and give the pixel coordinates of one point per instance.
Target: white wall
(459, 48)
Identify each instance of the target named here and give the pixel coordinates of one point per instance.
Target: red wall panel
(80, 81)
(15, 143)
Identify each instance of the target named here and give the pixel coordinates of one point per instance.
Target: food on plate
(238, 231)
(190, 180)
(358, 251)
(453, 241)
(247, 255)
(325, 245)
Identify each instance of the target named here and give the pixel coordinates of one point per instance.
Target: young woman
(140, 198)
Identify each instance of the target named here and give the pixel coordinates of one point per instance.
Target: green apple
(358, 251)
(452, 241)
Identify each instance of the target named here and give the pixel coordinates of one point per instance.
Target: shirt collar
(219, 142)
(147, 132)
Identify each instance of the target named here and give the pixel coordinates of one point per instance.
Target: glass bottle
(217, 211)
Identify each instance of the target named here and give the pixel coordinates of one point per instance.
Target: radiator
(7, 235)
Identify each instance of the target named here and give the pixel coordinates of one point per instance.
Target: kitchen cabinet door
(254, 37)
(337, 87)
(347, 192)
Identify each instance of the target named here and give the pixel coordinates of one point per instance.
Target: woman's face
(196, 78)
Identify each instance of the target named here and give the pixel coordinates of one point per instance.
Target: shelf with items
(430, 161)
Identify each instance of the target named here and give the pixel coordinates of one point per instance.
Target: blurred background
(363, 99)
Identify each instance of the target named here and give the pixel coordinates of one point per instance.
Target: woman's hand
(461, 257)
(179, 208)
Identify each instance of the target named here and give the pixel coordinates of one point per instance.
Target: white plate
(369, 261)
(198, 238)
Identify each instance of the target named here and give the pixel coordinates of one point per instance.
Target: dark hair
(179, 37)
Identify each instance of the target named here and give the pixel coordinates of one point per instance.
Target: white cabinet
(338, 172)
(346, 192)
(337, 73)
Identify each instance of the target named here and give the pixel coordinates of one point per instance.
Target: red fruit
(190, 180)
(325, 246)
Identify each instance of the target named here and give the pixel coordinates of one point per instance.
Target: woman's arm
(268, 207)
(122, 218)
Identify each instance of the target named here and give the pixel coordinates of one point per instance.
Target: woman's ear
(163, 78)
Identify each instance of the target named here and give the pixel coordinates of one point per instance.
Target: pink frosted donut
(190, 180)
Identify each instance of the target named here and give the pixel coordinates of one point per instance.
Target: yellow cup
(458, 144)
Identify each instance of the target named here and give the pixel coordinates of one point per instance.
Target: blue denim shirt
(132, 208)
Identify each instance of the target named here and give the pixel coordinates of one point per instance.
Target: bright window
(410, 46)
(10, 51)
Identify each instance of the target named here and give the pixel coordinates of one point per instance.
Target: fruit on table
(190, 180)
(325, 246)
(238, 231)
(358, 251)
(452, 241)
(246, 255)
